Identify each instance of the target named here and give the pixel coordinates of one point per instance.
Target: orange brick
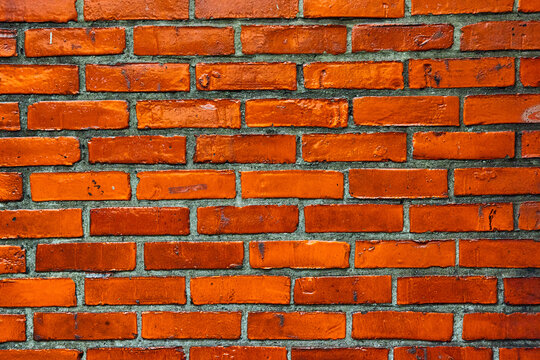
(191, 325)
(497, 181)
(529, 72)
(34, 224)
(529, 216)
(519, 353)
(238, 353)
(442, 352)
(440, 7)
(494, 326)
(39, 79)
(8, 43)
(37, 292)
(499, 253)
(136, 10)
(30, 11)
(501, 109)
(36, 151)
(359, 353)
(217, 9)
(9, 117)
(11, 187)
(153, 353)
(501, 35)
(530, 144)
(522, 291)
(45, 354)
(12, 328)
(528, 6)
(354, 8)
(12, 260)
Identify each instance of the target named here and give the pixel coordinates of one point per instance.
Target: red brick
(529, 216)
(404, 254)
(104, 185)
(440, 7)
(8, 43)
(398, 183)
(85, 326)
(529, 6)
(354, 75)
(183, 40)
(39, 79)
(238, 353)
(328, 113)
(135, 291)
(139, 221)
(403, 325)
(37, 292)
(142, 77)
(243, 289)
(136, 10)
(11, 187)
(294, 39)
(463, 145)
(193, 255)
(387, 146)
(343, 290)
(461, 73)
(522, 291)
(45, 354)
(461, 217)
(499, 253)
(246, 76)
(254, 219)
(376, 37)
(442, 352)
(89, 257)
(501, 35)
(153, 353)
(186, 184)
(447, 290)
(354, 8)
(12, 328)
(217, 9)
(78, 115)
(191, 325)
(34, 224)
(501, 109)
(519, 353)
(138, 150)
(168, 114)
(406, 110)
(494, 326)
(530, 144)
(12, 259)
(529, 72)
(300, 254)
(74, 41)
(39, 151)
(30, 11)
(296, 325)
(9, 117)
(358, 353)
(302, 184)
(497, 181)
(353, 218)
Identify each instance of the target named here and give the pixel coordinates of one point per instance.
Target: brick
(530, 144)
(307, 39)
(301, 254)
(9, 117)
(354, 8)
(461, 218)
(12, 328)
(403, 325)
(238, 353)
(254, 219)
(358, 353)
(442, 352)
(494, 326)
(137, 150)
(74, 41)
(104, 185)
(169, 114)
(501, 35)
(34, 224)
(153, 353)
(89, 257)
(447, 290)
(353, 218)
(216, 9)
(404, 254)
(136, 10)
(243, 289)
(296, 325)
(528, 6)
(398, 183)
(12, 260)
(39, 79)
(45, 354)
(501, 109)
(441, 7)
(529, 216)
(387, 146)
(37, 151)
(139, 221)
(246, 76)
(85, 326)
(519, 353)
(8, 43)
(343, 290)
(302, 184)
(186, 184)
(78, 115)
(142, 77)
(193, 255)
(528, 71)
(11, 187)
(135, 291)
(191, 325)
(406, 111)
(375, 37)
(354, 75)
(499, 253)
(328, 113)
(497, 181)
(522, 291)
(37, 292)
(463, 145)
(57, 11)
(461, 73)
(183, 40)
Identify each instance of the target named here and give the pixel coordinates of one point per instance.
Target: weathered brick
(12, 328)
(530, 144)
(9, 117)
(354, 8)
(11, 187)
(45, 354)
(529, 216)
(358, 353)
(36, 292)
(191, 325)
(12, 259)
(501, 109)
(39, 79)
(34, 224)
(501, 35)
(522, 291)
(30, 11)
(528, 6)
(217, 9)
(529, 72)
(238, 353)
(153, 353)
(499, 253)
(519, 353)
(441, 7)
(8, 43)
(442, 352)
(37, 151)
(495, 326)
(497, 181)
(136, 10)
